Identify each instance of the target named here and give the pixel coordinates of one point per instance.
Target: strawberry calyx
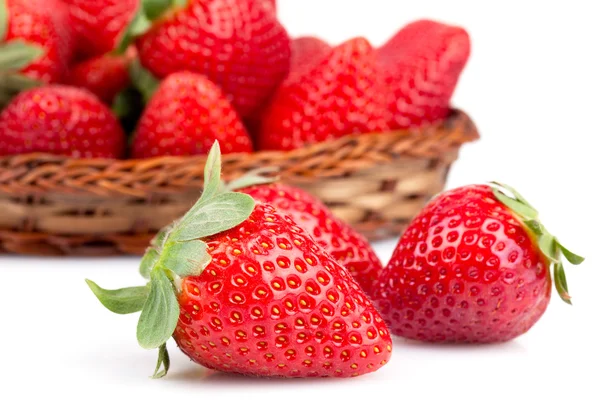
(143, 80)
(175, 253)
(549, 245)
(148, 12)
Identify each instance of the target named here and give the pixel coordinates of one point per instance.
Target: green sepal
(164, 361)
(260, 176)
(520, 208)
(185, 258)
(18, 54)
(138, 26)
(569, 255)
(149, 261)
(121, 105)
(160, 313)
(3, 20)
(560, 282)
(159, 240)
(548, 246)
(121, 301)
(143, 80)
(154, 9)
(212, 173)
(516, 194)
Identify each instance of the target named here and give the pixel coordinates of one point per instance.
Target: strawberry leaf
(221, 213)
(516, 194)
(143, 80)
(253, 178)
(18, 54)
(212, 173)
(155, 8)
(121, 301)
(149, 262)
(520, 208)
(138, 26)
(163, 361)
(547, 245)
(3, 20)
(569, 255)
(560, 282)
(185, 258)
(160, 313)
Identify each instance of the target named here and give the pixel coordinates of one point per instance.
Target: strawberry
(100, 24)
(238, 44)
(60, 120)
(340, 95)
(337, 238)
(185, 116)
(105, 76)
(34, 46)
(307, 51)
(474, 266)
(243, 289)
(422, 65)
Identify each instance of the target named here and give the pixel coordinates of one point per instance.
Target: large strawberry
(185, 116)
(474, 266)
(336, 237)
(105, 76)
(34, 44)
(60, 120)
(422, 64)
(307, 51)
(238, 44)
(244, 289)
(100, 24)
(342, 94)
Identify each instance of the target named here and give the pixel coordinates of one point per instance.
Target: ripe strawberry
(307, 51)
(238, 44)
(105, 76)
(422, 65)
(337, 238)
(185, 116)
(472, 267)
(60, 120)
(100, 24)
(34, 46)
(340, 95)
(243, 289)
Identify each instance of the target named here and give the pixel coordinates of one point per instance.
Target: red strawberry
(185, 116)
(474, 266)
(238, 44)
(33, 43)
(422, 65)
(307, 51)
(105, 76)
(244, 289)
(100, 24)
(60, 120)
(336, 237)
(340, 95)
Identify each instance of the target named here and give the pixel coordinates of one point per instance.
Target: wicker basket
(52, 205)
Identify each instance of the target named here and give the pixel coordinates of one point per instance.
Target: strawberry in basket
(242, 288)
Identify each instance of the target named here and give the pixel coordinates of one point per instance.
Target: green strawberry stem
(177, 252)
(547, 243)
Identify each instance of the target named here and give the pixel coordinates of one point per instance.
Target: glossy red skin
(100, 24)
(185, 117)
(105, 76)
(307, 51)
(238, 44)
(38, 22)
(60, 120)
(343, 94)
(349, 248)
(422, 65)
(262, 308)
(466, 270)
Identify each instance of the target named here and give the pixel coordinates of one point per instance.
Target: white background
(532, 86)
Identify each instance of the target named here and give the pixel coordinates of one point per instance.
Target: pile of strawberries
(78, 76)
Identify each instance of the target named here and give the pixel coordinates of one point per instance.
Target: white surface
(532, 86)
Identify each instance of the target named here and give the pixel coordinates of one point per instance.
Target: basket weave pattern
(53, 205)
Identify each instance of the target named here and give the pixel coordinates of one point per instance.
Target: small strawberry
(34, 47)
(105, 76)
(100, 24)
(185, 116)
(422, 65)
(336, 237)
(238, 44)
(342, 94)
(474, 266)
(243, 289)
(307, 51)
(60, 120)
